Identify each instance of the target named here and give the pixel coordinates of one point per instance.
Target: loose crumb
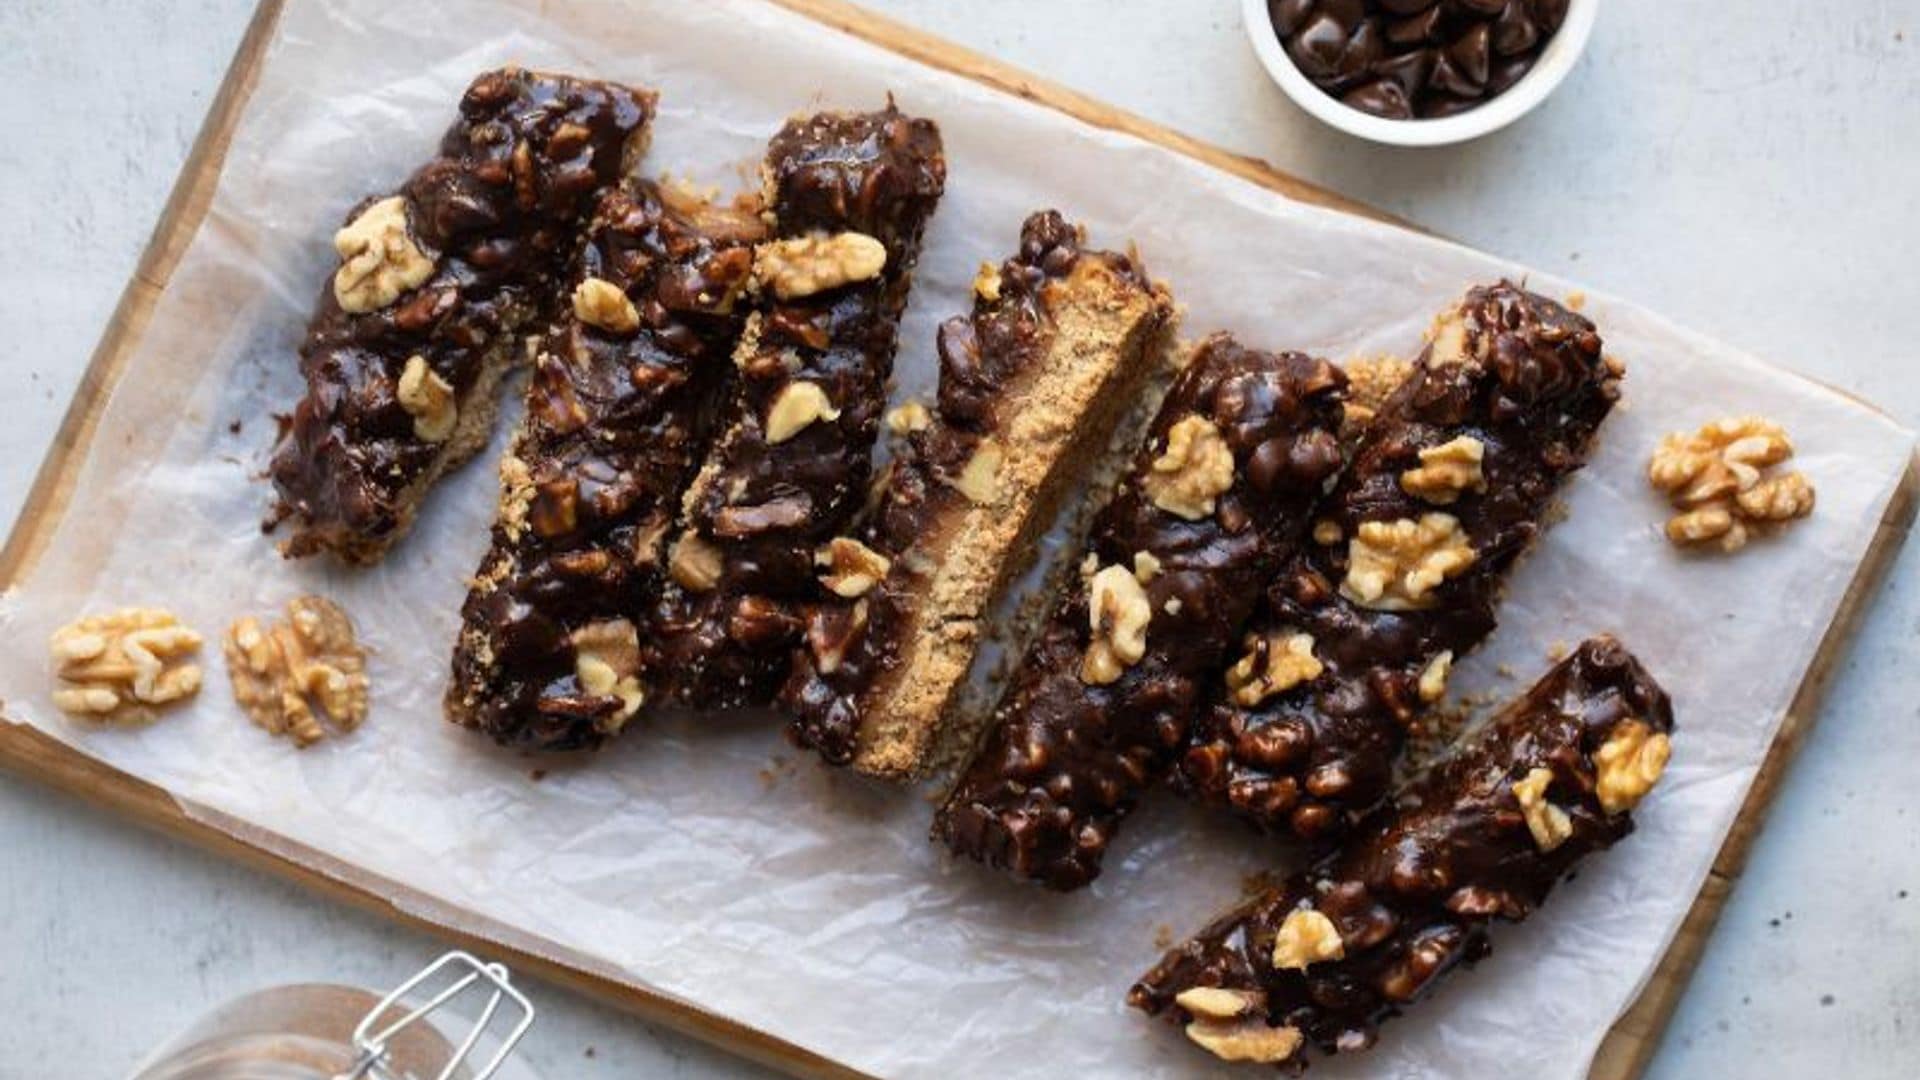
(1163, 936)
(1577, 300)
(537, 775)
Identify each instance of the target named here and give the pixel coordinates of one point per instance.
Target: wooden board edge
(1633, 1040)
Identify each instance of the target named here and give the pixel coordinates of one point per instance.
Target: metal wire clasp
(370, 1040)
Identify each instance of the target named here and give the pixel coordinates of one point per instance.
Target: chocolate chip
(1420, 29)
(1471, 52)
(1288, 15)
(1317, 47)
(1514, 31)
(1381, 97)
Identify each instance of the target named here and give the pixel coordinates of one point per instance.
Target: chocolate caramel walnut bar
(849, 195)
(1060, 341)
(435, 288)
(1412, 893)
(1447, 488)
(617, 421)
(1098, 709)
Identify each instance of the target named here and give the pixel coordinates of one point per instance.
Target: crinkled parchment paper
(702, 859)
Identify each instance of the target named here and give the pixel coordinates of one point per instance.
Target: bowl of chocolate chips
(1419, 72)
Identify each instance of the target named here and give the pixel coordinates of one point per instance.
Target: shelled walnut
(1550, 825)
(1118, 612)
(1396, 565)
(379, 258)
(428, 398)
(288, 675)
(1193, 471)
(1446, 471)
(116, 668)
(1717, 479)
(1629, 763)
(603, 305)
(851, 567)
(804, 265)
(1307, 937)
(1272, 665)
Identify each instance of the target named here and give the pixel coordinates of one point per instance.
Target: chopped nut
(909, 417)
(1146, 566)
(602, 304)
(112, 667)
(986, 283)
(695, 563)
(1327, 532)
(830, 633)
(1371, 380)
(428, 398)
(1777, 498)
(1715, 521)
(1549, 824)
(806, 265)
(1396, 565)
(1447, 340)
(281, 673)
(979, 479)
(1273, 665)
(852, 567)
(379, 259)
(798, 405)
(1306, 937)
(606, 662)
(1447, 470)
(1251, 1040)
(1118, 612)
(1194, 470)
(1433, 680)
(1217, 1003)
(1629, 763)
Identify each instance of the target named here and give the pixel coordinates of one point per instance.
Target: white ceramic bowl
(1555, 61)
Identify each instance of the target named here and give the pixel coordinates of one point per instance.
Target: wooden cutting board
(1622, 1056)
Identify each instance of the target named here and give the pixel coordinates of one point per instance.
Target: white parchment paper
(699, 857)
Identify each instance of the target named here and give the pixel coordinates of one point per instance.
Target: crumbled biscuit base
(602, 304)
(114, 668)
(1371, 380)
(428, 398)
(1446, 471)
(1629, 763)
(806, 265)
(1716, 478)
(1549, 824)
(1272, 665)
(1193, 471)
(851, 567)
(1396, 565)
(379, 259)
(1307, 937)
(1118, 614)
(797, 407)
(288, 675)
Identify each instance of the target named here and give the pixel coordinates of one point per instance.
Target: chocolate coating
(616, 423)
(1064, 761)
(1413, 893)
(766, 506)
(497, 209)
(1530, 384)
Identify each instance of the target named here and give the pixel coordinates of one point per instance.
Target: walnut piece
(602, 304)
(1272, 665)
(1433, 678)
(1371, 380)
(852, 567)
(909, 417)
(830, 634)
(806, 265)
(1118, 613)
(986, 283)
(428, 398)
(694, 563)
(288, 675)
(798, 405)
(1716, 477)
(1549, 824)
(1396, 565)
(1306, 937)
(1195, 469)
(114, 667)
(379, 259)
(1218, 1003)
(1251, 1040)
(1447, 341)
(1447, 470)
(606, 663)
(1629, 763)
(979, 479)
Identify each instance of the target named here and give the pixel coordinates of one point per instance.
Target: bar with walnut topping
(1097, 712)
(1448, 486)
(849, 196)
(618, 418)
(1059, 344)
(436, 288)
(1324, 958)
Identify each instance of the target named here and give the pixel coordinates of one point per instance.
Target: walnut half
(287, 675)
(1118, 612)
(805, 265)
(1396, 565)
(114, 668)
(1273, 665)
(379, 258)
(1195, 469)
(1446, 471)
(1716, 478)
(1549, 824)
(428, 398)
(1629, 763)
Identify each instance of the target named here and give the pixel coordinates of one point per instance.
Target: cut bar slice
(1448, 487)
(850, 195)
(618, 419)
(436, 287)
(1098, 710)
(1325, 957)
(1060, 342)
